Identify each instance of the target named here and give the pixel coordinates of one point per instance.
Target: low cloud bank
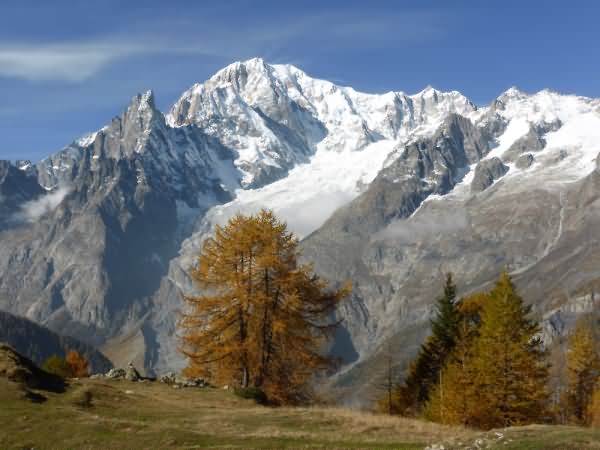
(425, 225)
(34, 209)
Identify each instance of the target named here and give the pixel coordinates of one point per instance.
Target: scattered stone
(96, 376)
(172, 379)
(168, 378)
(129, 392)
(116, 373)
(190, 382)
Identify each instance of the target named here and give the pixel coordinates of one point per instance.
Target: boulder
(131, 374)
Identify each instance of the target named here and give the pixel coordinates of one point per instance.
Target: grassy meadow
(107, 414)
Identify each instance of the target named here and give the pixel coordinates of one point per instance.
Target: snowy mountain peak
(512, 93)
(274, 117)
(429, 91)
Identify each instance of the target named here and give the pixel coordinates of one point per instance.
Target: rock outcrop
(524, 161)
(486, 172)
(22, 371)
(531, 142)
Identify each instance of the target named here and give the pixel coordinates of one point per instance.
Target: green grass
(124, 415)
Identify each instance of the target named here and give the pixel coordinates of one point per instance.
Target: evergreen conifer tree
(424, 371)
(453, 399)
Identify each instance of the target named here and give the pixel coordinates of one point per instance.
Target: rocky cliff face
(389, 190)
(118, 203)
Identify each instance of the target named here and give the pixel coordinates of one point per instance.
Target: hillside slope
(100, 414)
(38, 343)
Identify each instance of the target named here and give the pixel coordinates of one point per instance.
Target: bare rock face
(531, 142)
(425, 167)
(18, 187)
(486, 173)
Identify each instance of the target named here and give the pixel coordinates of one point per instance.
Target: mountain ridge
(383, 187)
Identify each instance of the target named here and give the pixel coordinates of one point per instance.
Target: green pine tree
(424, 371)
(453, 399)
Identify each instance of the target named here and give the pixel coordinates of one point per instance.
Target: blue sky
(68, 67)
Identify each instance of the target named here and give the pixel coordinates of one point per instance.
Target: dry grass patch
(157, 416)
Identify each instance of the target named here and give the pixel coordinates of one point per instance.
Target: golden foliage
(454, 399)
(262, 318)
(498, 372)
(77, 365)
(593, 411)
(583, 369)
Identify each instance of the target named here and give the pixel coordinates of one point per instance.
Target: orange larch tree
(262, 318)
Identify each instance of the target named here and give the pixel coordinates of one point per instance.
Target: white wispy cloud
(71, 62)
(426, 226)
(76, 61)
(34, 209)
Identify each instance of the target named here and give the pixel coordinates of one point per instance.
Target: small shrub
(57, 366)
(83, 398)
(253, 393)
